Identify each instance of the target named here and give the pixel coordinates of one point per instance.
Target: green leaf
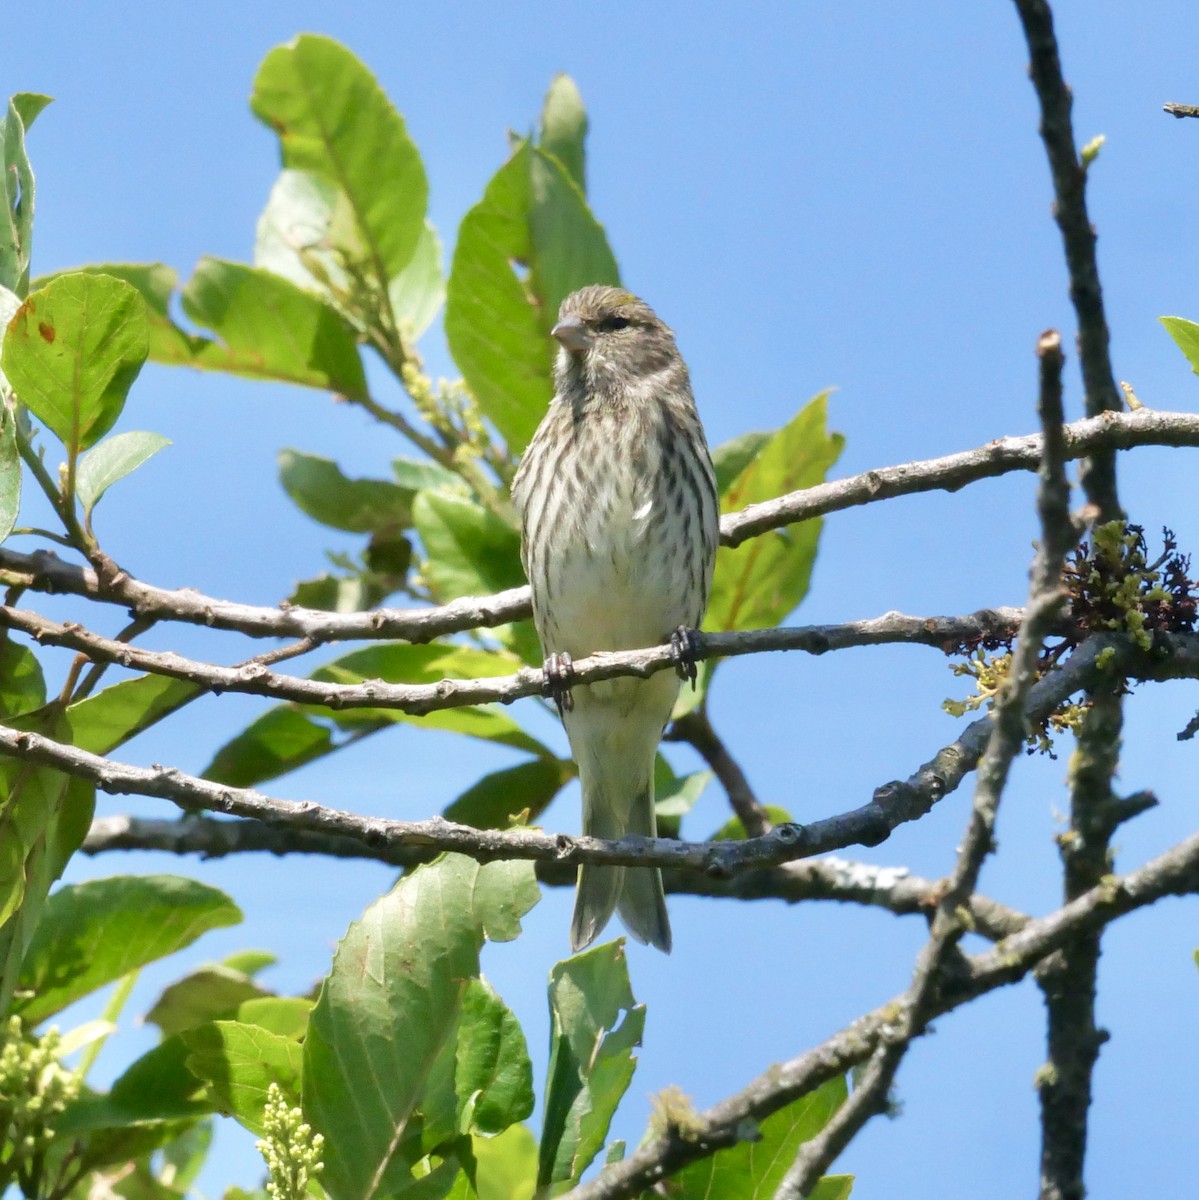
(22, 686)
(1186, 337)
(249, 962)
(493, 1076)
(29, 105)
(281, 740)
(269, 329)
(9, 303)
(595, 1025)
(285, 1015)
(332, 118)
(95, 932)
(239, 1062)
(759, 582)
(16, 222)
(497, 323)
(44, 816)
(833, 1187)
(734, 831)
(420, 474)
(564, 128)
(418, 291)
(266, 327)
(505, 1166)
(398, 662)
(319, 489)
(346, 593)
(157, 1087)
(471, 552)
(120, 712)
(754, 1170)
(526, 789)
(111, 461)
(731, 458)
(10, 474)
(495, 333)
(293, 236)
(570, 248)
(390, 1007)
(208, 994)
(675, 795)
(185, 1156)
(72, 352)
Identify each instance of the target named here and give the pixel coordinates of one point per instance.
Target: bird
(620, 522)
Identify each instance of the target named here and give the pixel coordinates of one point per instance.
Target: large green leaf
(332, 118)
(239, 1062)
(390, 1008)
(398, 662)
(110, 718)
(759, 582)
(320, 490)
(94, 932)
(526, 788)
(498, 323)
(595, 1025)
(73, 350)
(111, 461)
(16, 222)
(753, 1170)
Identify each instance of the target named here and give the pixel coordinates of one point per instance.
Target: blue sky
(812, 195)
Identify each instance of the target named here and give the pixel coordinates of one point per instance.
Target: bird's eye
(608, 324)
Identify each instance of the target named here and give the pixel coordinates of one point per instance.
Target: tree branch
(1174, 873)
(890, 888)
(1175, 656)
(45, 572)
(256, 678)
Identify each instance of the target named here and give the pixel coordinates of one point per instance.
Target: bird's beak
(572, 333)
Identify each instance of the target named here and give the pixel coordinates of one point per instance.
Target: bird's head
(611, 342)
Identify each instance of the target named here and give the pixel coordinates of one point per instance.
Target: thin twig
(1098, 473)
(45, 572)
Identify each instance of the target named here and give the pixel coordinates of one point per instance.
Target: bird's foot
(559, 671)
(684, 649)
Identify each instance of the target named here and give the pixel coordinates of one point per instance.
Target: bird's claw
(559, 671)
(684, 649)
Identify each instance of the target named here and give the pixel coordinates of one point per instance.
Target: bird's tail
(634, 892)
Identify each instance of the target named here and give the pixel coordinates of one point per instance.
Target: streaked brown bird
(620, 526)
